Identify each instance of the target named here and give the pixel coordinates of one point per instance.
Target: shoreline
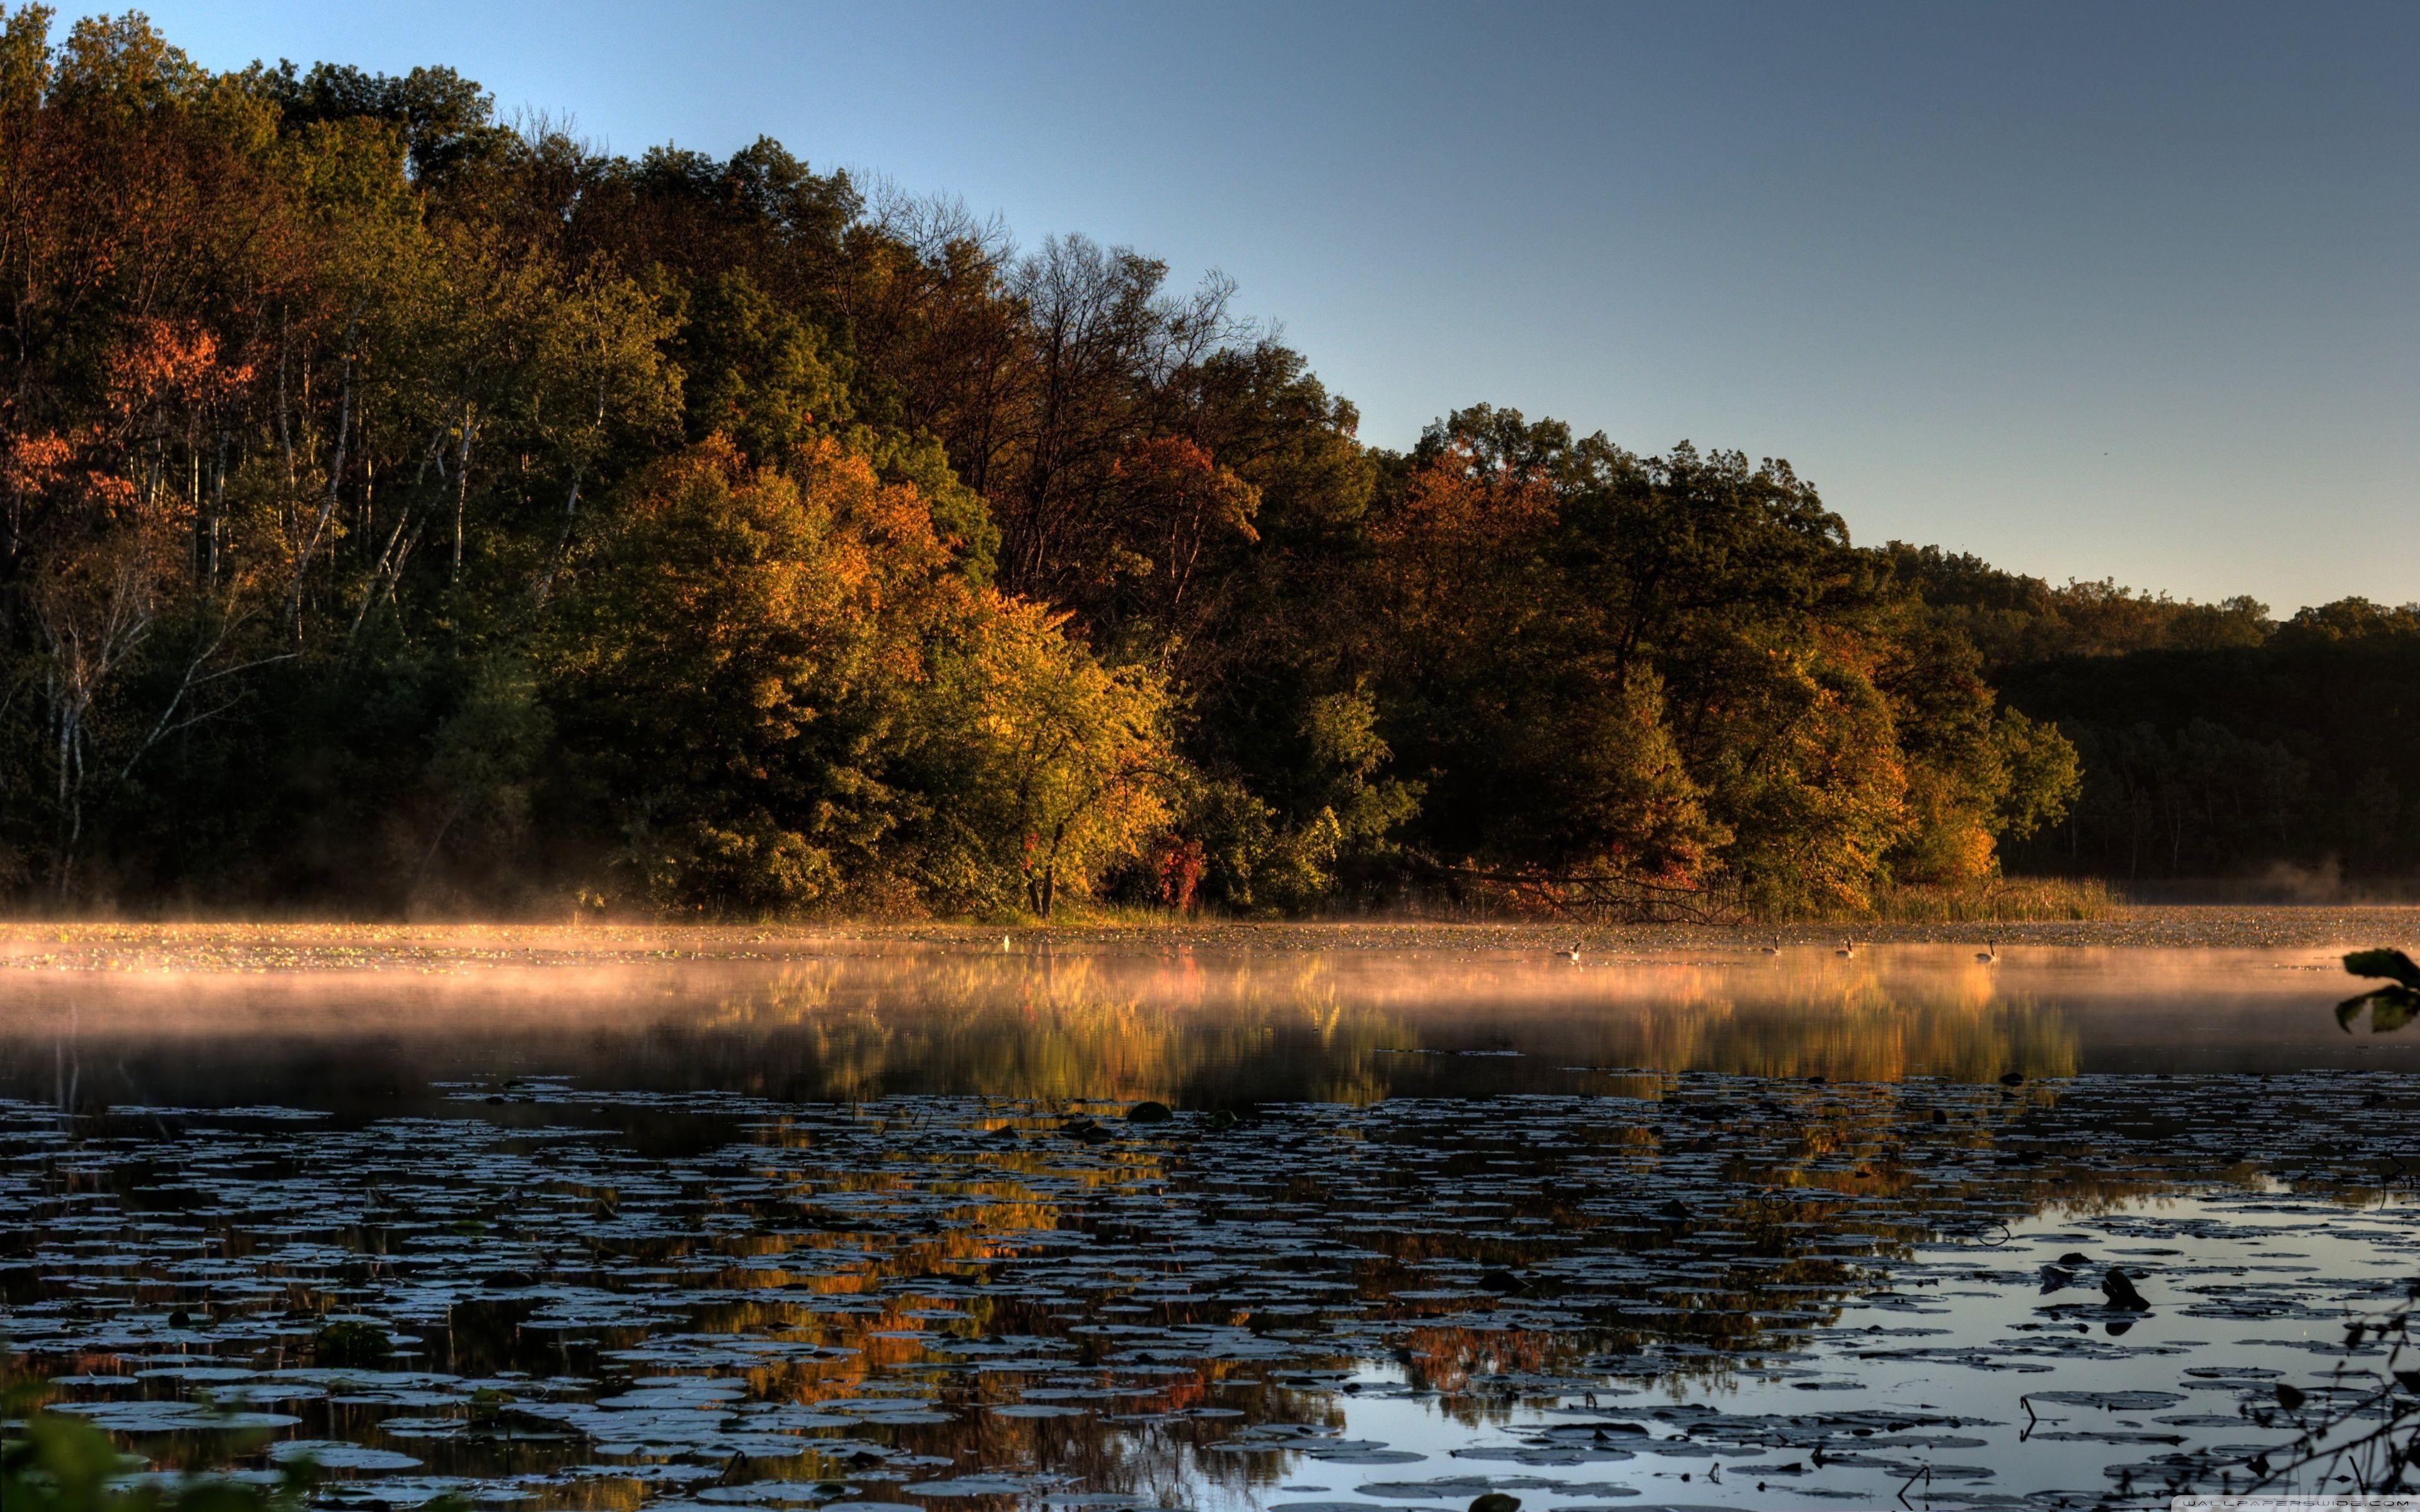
(27, 948)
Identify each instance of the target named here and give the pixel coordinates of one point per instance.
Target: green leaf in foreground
(54, 1463)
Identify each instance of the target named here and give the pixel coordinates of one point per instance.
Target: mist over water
(868, 1224)
(1200, 1029)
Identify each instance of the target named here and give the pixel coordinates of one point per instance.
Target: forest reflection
(930, 1286)
(1192, 1030)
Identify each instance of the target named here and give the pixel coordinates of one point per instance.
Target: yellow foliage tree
(1045, 765)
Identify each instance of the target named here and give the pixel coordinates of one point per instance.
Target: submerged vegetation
(400, 510)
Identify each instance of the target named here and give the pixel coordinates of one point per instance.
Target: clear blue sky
(2123, 289)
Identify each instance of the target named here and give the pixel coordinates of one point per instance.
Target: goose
(1990, 954)
(1847, 948)
(1571, 954)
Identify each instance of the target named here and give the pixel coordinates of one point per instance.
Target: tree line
(2213, 741)
(403, 508)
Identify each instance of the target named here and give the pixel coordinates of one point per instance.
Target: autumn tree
(1673, 676)
(734, 669)
(400, 508)
(1041, 765)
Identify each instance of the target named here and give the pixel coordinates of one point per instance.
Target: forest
(406, 510)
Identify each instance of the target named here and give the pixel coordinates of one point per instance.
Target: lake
(866, 1223)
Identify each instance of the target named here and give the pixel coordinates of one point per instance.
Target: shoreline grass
(164, 950)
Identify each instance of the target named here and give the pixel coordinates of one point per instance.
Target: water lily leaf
(2392, 965)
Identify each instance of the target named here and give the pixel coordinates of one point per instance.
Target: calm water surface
(872, 1229)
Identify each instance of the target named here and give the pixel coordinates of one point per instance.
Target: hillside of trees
(403, 510)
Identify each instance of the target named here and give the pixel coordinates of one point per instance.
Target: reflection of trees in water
(1758, 1260)
(1812, 1164)
(1313, 1028)
(1065, 1030)
(1859, 1035)
(850, 1229)
(1190, 1029)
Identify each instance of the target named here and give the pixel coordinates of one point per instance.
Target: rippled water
(1738, 1230)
